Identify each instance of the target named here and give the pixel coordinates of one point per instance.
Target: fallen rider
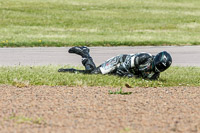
(142, 64)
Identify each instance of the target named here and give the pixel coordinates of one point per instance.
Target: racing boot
(82, 51)
(87, 60)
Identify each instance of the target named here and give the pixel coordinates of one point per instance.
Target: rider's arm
(123, 72)
(151, 75)
(143, 65)
(154, 76)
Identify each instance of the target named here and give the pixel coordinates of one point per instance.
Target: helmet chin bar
(156, 69)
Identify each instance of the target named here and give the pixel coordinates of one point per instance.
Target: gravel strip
(65, 109)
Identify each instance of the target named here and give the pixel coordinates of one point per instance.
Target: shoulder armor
(142, 58)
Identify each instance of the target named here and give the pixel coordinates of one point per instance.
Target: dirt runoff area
(64, 109)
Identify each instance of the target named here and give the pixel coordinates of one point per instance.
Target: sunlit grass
(99, 23)
(47, 75)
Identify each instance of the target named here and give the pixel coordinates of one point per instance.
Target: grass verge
(97, 23)
(22, 76)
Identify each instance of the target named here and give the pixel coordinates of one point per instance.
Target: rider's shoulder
(144, 54)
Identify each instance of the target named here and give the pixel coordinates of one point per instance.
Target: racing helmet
(162, 61)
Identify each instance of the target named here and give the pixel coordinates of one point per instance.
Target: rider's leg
(87, 60)
(72, 70)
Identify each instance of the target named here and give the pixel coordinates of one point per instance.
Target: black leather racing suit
(132, 65)
(124, 65)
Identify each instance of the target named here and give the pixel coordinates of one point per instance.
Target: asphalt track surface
(182, 55)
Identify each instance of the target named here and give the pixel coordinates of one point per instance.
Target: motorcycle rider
(142, 64)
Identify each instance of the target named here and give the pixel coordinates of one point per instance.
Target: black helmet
(162, 61)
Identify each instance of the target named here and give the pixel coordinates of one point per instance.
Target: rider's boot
(82, 51)
(87, 60)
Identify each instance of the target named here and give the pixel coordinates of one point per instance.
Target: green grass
(47, 75)
(121, 92)
(28, 120)
(99, 23)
